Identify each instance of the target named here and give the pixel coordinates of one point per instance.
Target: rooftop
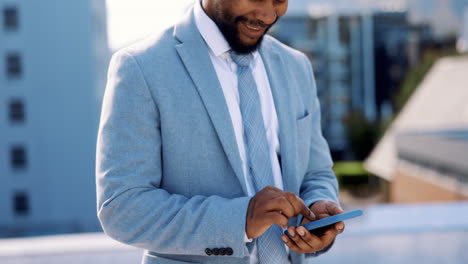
(445, 151)
(404, 234)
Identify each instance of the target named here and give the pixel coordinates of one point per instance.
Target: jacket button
(208, 251)
(229, 251)
(215, 251)
(222, 251)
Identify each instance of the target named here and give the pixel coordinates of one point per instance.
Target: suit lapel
(194, 54)
(277, 76)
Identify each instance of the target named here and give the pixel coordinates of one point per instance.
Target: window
(10, 18)
(17, 113)
(18, 157)
(13, 68)
(21, 203)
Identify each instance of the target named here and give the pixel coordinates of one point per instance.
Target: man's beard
(231, 33)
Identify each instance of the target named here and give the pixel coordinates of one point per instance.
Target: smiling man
(210, 144)
(241, 23)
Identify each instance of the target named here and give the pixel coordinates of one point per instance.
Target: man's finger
(280, 203)
(334, 209)
(299, 206)
(298, 239)
(307, 213)
(306, 241)
(276, 218)
(328, 237)
(288, 241)
(270, 189)
(340, 226)
(320, 216)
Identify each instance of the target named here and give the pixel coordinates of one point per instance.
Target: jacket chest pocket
(303, 126)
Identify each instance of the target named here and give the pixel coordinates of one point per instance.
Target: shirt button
(229, 251)
(208, 251)
(215, 251)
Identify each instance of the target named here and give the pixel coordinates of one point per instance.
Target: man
(210, 143)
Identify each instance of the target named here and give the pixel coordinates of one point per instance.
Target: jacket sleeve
(132, 208)
(319, 180)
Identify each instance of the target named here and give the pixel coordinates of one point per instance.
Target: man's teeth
(253, 27)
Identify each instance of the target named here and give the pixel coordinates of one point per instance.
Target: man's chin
(235, 40)
(250, 42)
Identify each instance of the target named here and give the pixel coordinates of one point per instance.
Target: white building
(423, 153)
(53, 59)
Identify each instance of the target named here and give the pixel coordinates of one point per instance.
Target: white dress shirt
(226, 70)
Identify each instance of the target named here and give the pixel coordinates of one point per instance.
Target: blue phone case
(327, 221)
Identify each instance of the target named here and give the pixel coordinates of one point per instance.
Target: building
(431, 166)
(53, 60)
(423, 154)
(359, 52)
(462, 44)
(340, 62)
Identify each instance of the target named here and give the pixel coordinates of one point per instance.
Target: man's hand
(273, 206)
(302, 241)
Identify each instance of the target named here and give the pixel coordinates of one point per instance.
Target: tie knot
(242, 60)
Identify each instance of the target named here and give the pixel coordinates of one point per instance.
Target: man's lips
(252, 31)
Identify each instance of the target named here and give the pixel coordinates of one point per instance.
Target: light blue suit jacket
(169, 175)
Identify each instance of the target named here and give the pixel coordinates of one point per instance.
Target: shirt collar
(210, 31)
(212, 35)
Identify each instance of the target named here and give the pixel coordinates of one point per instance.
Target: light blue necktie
(271, 249)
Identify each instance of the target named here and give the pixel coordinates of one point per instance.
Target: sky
(129, 21)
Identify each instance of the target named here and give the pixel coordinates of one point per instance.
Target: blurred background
(392, 78)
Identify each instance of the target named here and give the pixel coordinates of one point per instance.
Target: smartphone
(318, 227)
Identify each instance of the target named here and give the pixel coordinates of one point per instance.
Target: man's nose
(267, 13)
